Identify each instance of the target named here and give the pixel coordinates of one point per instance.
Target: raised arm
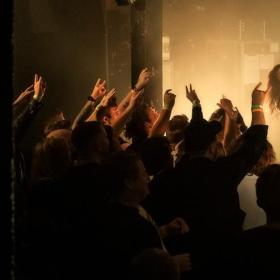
(242, 161)
(120, 122)
(22, 99)
(24, 119)
(103, 104)
(161, 124)
(143, 80)
(230, 126)
(191, 95)
(258, 97)
(98, 91)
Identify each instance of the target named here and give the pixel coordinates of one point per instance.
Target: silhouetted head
(126, 177)
(156, 154)
(90, 139)
(268, 191)
(176, 128)
(51, 158)
(200, 135)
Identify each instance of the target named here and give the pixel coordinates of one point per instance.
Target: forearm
(197, 114)
(161, 124)
(125, 102)
(118, 124)
(230, 131)
(24, 119)
(83, 114)
(258, 118)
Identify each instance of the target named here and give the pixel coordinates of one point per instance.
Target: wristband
(90, 98)
(196, 103)
(256, 106)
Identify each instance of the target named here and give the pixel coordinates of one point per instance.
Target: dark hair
(268, 189)
(120, 166)
(199, 135)
(59, 124)
(274, 98)
(51, 158)
(135, 127)
(105, 111)
(85, 135)
(176, 128)
(267, 157)
(156, 154)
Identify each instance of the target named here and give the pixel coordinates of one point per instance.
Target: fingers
(111, 93)
(187, 90)
(35, 78)
(97, 82)
(191, 89)
(29, 88)
(168, 91)
(257, 87)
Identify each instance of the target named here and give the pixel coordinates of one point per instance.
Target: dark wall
(64, 42)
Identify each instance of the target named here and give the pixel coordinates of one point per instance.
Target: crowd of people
(128, 192)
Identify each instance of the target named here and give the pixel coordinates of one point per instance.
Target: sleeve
(237, 165)
(24, 119)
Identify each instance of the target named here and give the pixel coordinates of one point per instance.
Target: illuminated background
(222, 47)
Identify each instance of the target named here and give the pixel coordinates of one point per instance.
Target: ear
(105, 120)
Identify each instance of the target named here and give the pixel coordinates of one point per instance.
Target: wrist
(137, 88)
(196, 103)
(92, 99)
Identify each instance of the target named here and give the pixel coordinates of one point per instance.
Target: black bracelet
(136, 89)
(90, 98)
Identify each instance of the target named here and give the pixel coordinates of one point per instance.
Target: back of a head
(268, 156)
(120, 166)
(135, 127)
(154, 264)
(176, 128)
(199, 135)
(89, 137)
(268, 190)
(51, 158)
(55, 123)
(156, 154)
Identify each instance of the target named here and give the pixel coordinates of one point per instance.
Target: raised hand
(258, 96)
(227, 106)
(135, 98)
(169, 99)
(24, 95)
(99, 89)
(143, 79)
(191, 94)
(106, 98)
(39, 87)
